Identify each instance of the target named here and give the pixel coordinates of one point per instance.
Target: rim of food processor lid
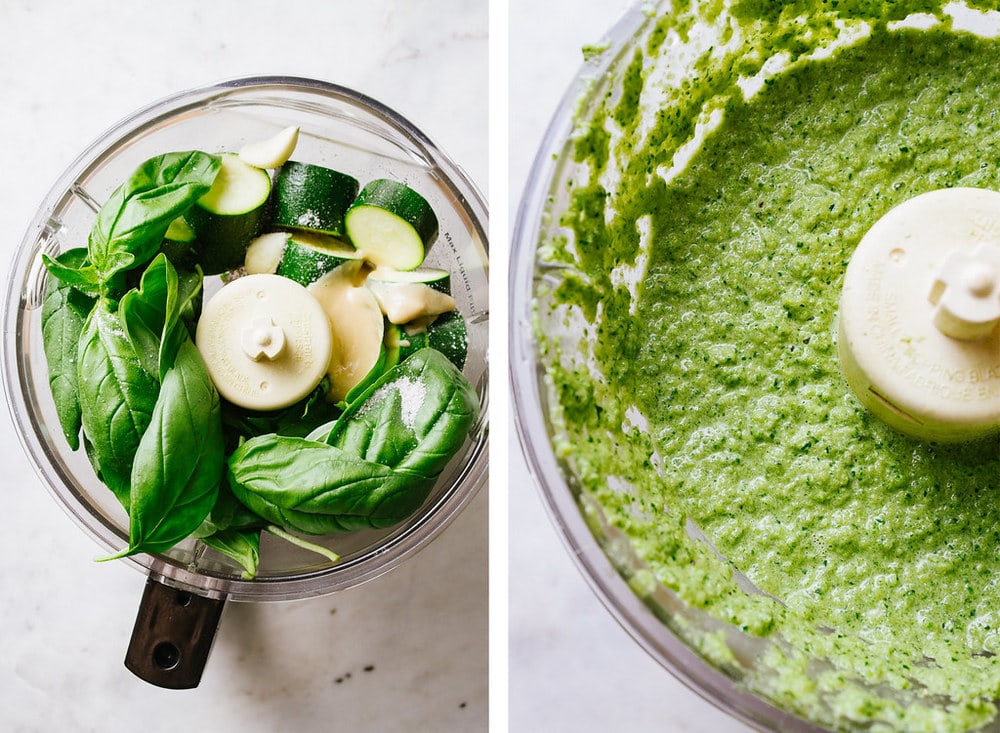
(436, 517)
(531, 415)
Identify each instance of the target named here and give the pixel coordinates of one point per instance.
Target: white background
(68, 71)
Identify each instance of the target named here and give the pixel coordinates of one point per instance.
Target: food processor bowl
(679, 636)
(339, 128)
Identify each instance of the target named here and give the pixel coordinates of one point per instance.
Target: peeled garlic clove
(273, 152)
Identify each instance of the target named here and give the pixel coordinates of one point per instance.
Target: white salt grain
(411, 396)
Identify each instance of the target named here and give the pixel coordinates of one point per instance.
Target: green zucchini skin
(391, 224)
(448, 334)
(308, 257)
(312, 198)
(222, 241)
(439, 280)
(229, 216)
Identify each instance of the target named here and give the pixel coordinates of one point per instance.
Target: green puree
(713, 394)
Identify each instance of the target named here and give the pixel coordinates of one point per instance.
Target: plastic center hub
(266, 341)
(920, 316)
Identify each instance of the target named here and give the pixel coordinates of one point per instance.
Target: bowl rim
(530, 411)
(401, 544)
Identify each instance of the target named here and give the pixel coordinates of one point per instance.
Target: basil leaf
(131, 224)
(413, 419)
(379, 463)
(64, 314)
(116, 397)
(179, 462)
(316, 488)
(152, 314)
(189, 297)
(241, 545)
(227, 513)
(80, 275)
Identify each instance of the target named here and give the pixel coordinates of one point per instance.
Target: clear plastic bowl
(342, 129)
(602, 555)
(657, 619)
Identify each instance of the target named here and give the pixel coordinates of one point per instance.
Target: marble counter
(406, 652)
(572, 667)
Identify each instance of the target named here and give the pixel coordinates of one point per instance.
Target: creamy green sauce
(712, 392)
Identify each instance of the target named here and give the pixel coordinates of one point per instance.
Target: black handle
(173, 635)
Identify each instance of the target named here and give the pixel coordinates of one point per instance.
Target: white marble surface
(572, 667)
(406, 652)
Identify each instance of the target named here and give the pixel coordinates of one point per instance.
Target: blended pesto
(700, 252)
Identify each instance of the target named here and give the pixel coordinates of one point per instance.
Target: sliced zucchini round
(439, 280)
(180, 231)
(227, 218)
(312, 198)
(391, 224)
(307, 257)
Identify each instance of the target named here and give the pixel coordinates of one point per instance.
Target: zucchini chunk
(227, 218)
(392, 225)
(312, 198)
(180, 231)
(447, 333)
(307, 257)
(439, 280)
(177, 243)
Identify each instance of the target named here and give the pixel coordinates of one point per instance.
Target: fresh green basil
(153, 314)
(131, 224)
(296, 420)
(241, 545)
(115, 392)
(83, 277)
(379, 463)
(179, 462)
(180, 459)
(232, 530)
(413, 418)
(64, 314)
(227, 513)
(116, 397)
(316, 488)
